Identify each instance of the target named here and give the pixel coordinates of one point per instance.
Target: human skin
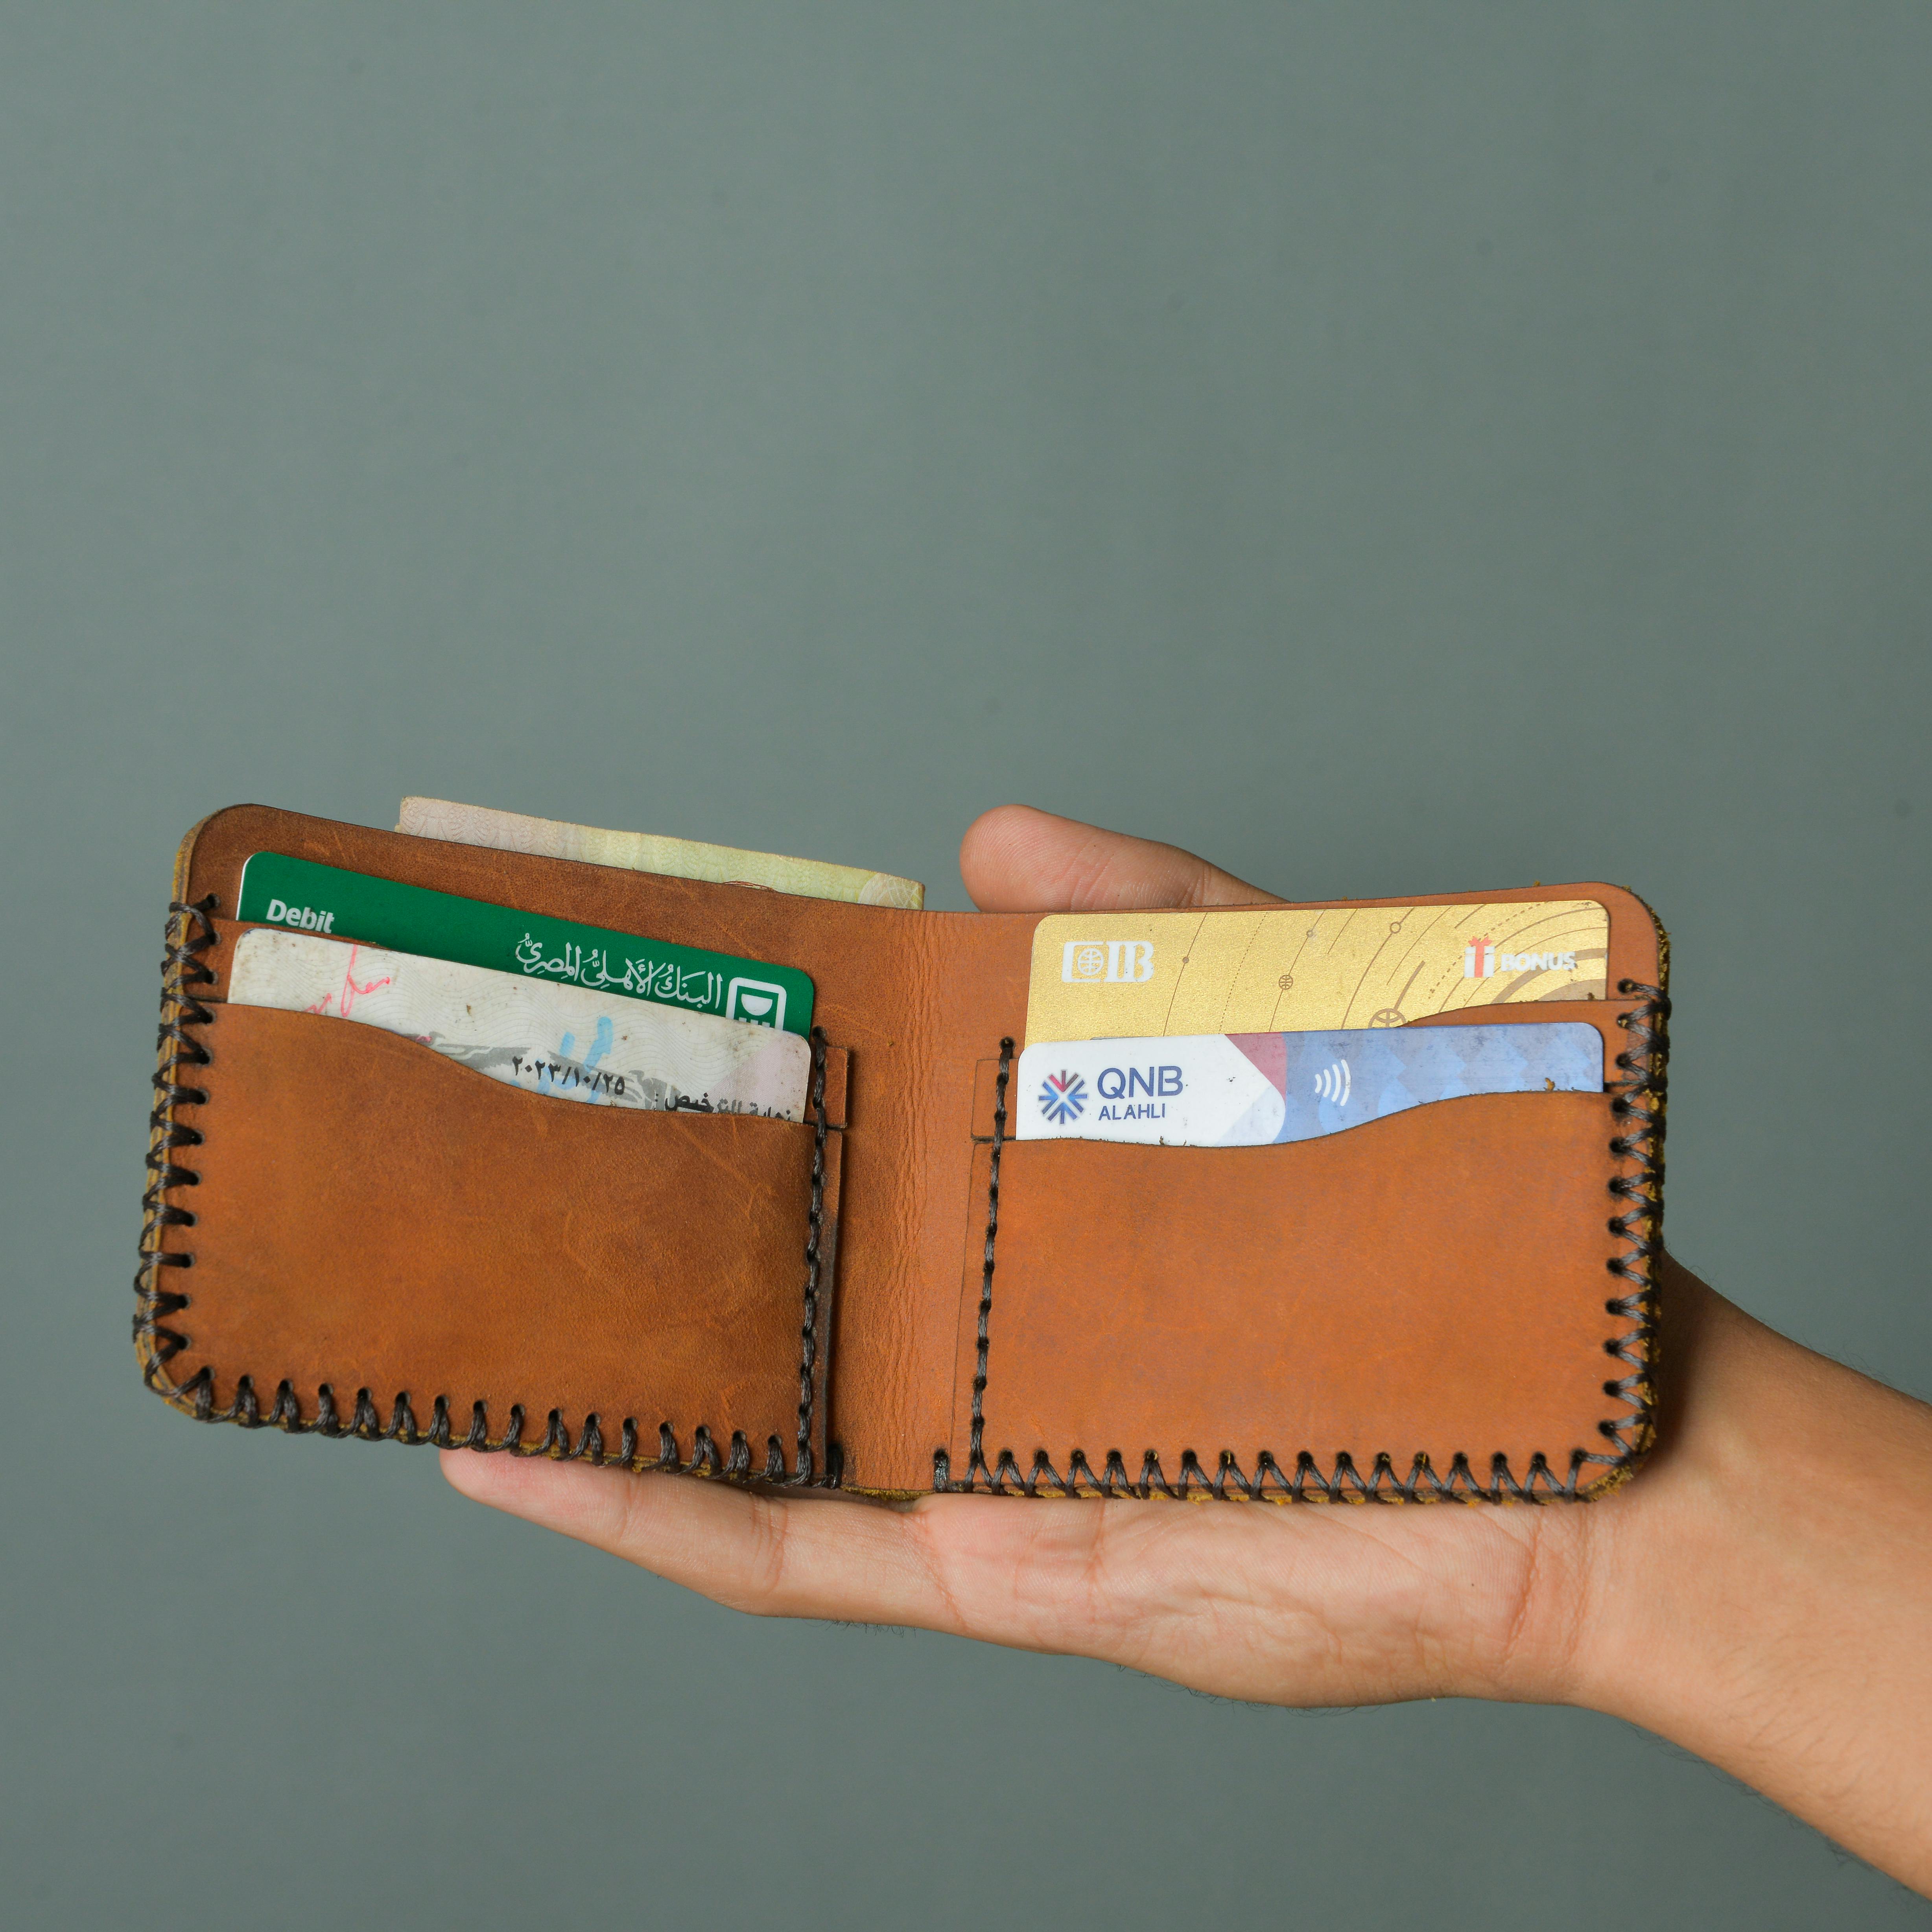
(1760, 1594)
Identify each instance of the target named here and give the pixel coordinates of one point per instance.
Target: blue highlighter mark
(602, 1046)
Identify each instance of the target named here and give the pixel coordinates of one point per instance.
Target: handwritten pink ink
(351, 992)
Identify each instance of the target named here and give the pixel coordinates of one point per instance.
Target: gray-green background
(1387, 448)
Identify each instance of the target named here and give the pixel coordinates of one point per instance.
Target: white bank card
(1249, 1090)
(566, 1041)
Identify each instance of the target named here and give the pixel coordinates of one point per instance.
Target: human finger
(984, 1567)
(831, 1557)
(1314, 1606)
(1017, 859)
(1102, 1579)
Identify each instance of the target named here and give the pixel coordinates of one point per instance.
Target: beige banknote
(566, 1041)
(641, 852)
(1265, 969)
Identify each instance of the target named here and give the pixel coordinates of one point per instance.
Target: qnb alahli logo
(1118, 1086)
(1481, 960)
(1062, 1097)
(1107, 962)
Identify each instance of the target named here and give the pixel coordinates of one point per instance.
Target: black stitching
(1638, 1109)
(1643, 1103)
(976, 1466)
(814, 1221)
(190, 932)
(365, 1424)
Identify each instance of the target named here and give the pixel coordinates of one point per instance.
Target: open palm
(1788, 1502)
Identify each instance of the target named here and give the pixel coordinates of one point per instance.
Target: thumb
(1014, 859)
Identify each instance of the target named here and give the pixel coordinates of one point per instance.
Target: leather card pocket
(1429, 1293)
(377, 1227)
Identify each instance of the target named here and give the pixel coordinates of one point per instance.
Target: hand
(1760, 1593)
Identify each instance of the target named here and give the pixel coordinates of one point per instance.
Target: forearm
(1762, 1595)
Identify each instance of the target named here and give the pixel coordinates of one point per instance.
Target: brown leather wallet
(347, 1235)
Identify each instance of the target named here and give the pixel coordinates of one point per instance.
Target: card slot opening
(1613, 1021)
(219, 959)
(358, 1036)
(1015, 1149)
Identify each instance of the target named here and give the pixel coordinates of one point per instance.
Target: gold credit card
(1286, 969)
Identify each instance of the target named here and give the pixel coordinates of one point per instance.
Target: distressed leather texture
(374, 1220)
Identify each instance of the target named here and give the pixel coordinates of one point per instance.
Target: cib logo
(757, 1000)
(1107, 962)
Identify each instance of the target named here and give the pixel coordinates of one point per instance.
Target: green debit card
(324, 899)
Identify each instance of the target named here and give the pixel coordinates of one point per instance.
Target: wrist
(1570, 1626)
(1757, 1594)
(1652, 1570)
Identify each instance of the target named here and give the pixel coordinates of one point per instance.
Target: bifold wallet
(347, 1235)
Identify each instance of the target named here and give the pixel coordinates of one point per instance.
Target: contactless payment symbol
(1063, 1097)
(758, 1001)
(1334, 1084)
